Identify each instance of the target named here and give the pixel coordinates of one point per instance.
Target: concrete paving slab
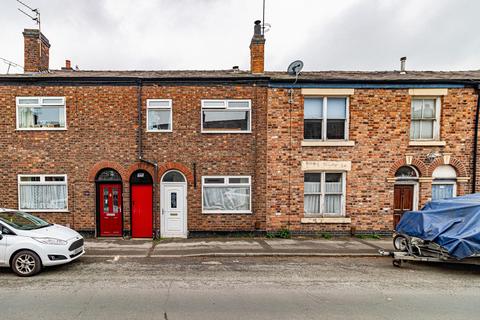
(317, 244)
(206, 246)
(99, 247)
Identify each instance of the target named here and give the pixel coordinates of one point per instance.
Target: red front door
(142, 218)
(110, 210)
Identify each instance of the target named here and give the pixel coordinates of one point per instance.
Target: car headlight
(51, 241)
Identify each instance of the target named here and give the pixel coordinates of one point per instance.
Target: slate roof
(309, 76)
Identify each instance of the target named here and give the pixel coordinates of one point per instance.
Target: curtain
(226, 198)
(38, 197)
(333, 203)
(312, 201)
(26, 119)
(442, 191)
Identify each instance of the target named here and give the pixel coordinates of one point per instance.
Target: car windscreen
(22, 220)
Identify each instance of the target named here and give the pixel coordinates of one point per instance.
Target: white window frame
(325, 120)
(39, 105)
(227, 183)
(169, 107)
(42, 182)
(323, 193)
(436, 122)
(225, 106)
(446, 182)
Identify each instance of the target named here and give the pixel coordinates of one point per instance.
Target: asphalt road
(242, 288)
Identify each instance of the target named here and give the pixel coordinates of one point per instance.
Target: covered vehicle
(450, 227)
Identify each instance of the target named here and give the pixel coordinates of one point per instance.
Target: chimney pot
(403, 61)
(68, 64)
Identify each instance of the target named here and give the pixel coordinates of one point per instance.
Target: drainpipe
(140, 150)
(475, 140)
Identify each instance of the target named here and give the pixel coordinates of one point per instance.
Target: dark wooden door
(403, 201)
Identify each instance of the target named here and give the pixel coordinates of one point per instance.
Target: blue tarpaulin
(453, 223)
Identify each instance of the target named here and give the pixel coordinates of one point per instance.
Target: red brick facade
(103, 131)
(379, 126)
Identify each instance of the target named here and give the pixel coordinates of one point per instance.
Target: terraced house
(173, 153)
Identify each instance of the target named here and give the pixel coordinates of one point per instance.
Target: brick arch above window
(416, 163)
(454, 162)
(140, 166)
(97, 167)
(175, 166)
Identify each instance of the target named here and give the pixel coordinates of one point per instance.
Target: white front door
(174, 210)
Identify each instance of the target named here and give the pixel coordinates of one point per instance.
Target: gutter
(139, 83)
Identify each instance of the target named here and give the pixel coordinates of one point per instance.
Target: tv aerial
(36, 13)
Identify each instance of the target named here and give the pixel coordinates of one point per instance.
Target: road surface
(242, 288)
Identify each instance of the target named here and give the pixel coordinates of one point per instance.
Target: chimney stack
(68, 66)
(257, 49)
(36, 51)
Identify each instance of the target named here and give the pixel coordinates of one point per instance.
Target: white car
(28, 243)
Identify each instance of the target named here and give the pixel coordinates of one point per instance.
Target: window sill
(44, 211)
(160, 131)
(227, 212)
(223, 132)
(427, 143)
(328, 220)
(41, 129)
(333, 143)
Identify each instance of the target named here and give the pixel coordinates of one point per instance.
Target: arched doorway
(405, 192)
(109, 203)
(173, 200)
(141, 205)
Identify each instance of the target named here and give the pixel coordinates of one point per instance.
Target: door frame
(162, 203)
(131, 200)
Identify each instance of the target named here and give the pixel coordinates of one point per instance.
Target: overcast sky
(215, 34)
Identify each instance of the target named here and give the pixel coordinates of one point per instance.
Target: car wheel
(400, 243)
(26, 263)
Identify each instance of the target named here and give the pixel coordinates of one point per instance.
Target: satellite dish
(295, 67)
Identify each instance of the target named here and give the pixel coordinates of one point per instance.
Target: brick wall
(102, 132)
(379, 125)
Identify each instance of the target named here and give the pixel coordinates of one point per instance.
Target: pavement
(239, 247)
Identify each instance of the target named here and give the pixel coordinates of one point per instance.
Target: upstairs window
(159, 115)
(226, 194)
(425, 119)
(42, 192)
(41, 113)
(226, 116)
(326, 118)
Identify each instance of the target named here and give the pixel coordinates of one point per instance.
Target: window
(42, 192)
(324, 193)
(159, 115)
(226, 116)
(425, 119)
(224, 194)
(173, 176)
(326, 118)
(41, 113)
(444, 183)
